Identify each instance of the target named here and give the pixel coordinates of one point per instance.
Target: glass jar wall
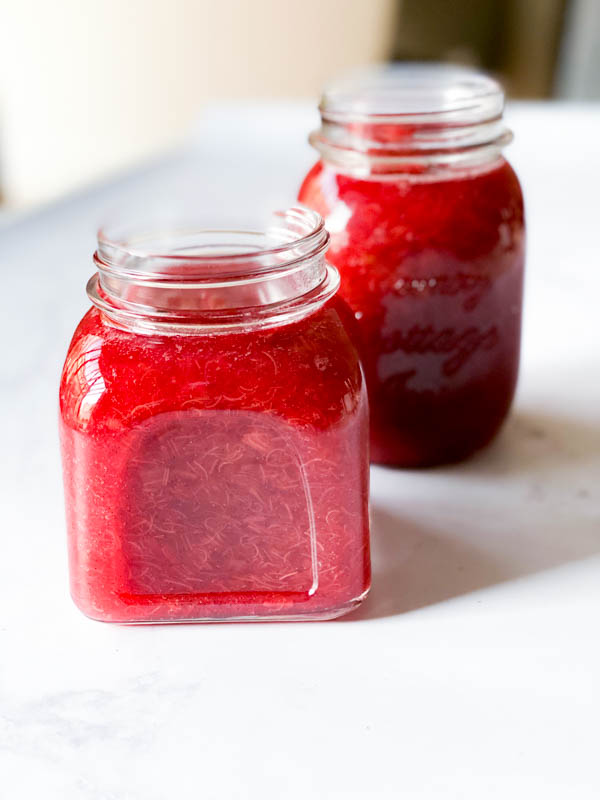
(427, 231)
(213, 424)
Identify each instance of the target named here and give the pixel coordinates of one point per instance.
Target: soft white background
(472, 670)
(90, 86)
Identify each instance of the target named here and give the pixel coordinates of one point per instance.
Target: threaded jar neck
(196, 278)
(411, 115)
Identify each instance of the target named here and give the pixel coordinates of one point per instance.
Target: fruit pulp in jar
(431, 266)
(216, 477)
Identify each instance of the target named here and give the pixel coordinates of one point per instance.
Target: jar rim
(205, 251)
(195, 279)
(413, 92)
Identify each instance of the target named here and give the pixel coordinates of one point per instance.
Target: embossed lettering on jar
(427, 231)
(213, 424)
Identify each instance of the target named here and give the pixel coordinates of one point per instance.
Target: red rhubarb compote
(219, 473)
(430, 248)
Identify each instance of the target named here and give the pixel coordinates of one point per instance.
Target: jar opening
(403, 112)
(178, 251)
(193, 276)
(414, 92)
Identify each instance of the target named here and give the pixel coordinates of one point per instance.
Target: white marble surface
(471, 672)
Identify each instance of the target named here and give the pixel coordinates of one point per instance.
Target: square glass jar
(214, 430)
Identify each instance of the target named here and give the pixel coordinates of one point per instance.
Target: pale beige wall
(88, 86)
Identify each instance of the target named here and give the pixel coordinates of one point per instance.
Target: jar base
(403, 458)
(321, 615)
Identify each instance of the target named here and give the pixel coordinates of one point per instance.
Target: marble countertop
(472, 670)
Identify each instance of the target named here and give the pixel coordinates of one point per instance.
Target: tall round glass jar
(213, 423)
(427, 231)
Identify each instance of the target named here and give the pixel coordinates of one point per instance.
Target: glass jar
(213, 422)
(427, 231)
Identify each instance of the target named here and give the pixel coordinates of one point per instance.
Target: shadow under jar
(427, 232)
(214, 430)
